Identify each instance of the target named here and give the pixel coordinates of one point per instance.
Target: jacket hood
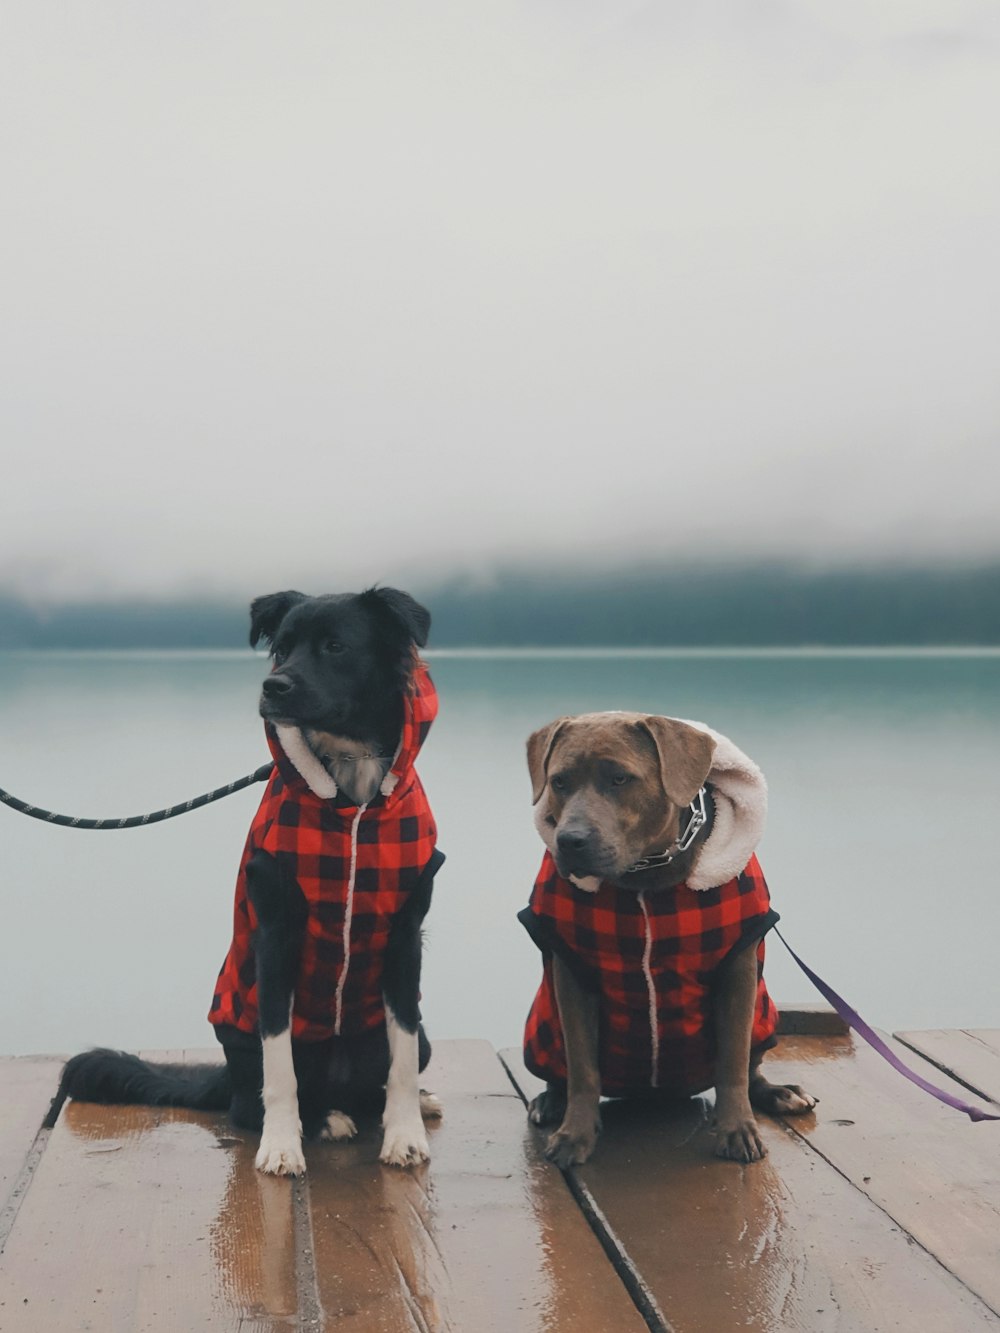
(298, 764)
(739, 790)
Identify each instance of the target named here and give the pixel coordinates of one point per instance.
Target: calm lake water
(884, 778)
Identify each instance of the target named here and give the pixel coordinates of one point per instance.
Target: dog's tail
(117, 1078)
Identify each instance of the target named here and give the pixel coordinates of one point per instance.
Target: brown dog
(651, 910)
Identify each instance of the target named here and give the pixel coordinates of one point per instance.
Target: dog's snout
(574, 838)
(277, 686)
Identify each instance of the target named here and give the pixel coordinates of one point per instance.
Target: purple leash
(854, 1020)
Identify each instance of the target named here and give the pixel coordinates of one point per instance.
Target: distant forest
(704, 607)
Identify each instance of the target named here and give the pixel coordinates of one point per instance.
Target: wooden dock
(880, 1211)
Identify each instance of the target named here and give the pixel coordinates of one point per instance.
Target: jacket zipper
(348, 919)
(651, 991)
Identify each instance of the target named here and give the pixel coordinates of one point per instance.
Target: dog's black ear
(414, 619)
(540, 745)
(267, 613)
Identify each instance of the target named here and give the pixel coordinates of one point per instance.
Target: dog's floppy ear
(540, 745)
(267, 613)
(414, 619)
(685, 756)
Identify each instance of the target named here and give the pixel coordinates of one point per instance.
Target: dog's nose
(573, 839)
(276, 686)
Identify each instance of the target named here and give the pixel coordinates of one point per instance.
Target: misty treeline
(641, 607)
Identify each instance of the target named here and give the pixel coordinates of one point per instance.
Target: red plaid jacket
(355, 867)
(652, 958)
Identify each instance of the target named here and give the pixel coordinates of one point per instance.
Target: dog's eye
(621, 779)
(332, 646)
(558, 783)
(278, 656)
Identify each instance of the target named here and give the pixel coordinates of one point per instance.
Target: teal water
(884, 790)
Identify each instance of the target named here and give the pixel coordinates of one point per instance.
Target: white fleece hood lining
(312, 772)
(739, 791)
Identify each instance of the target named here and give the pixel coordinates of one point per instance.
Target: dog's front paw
(280, 1154)
(404, 1143)
(548, 1108)
(574, 1141)
(338, 1127)
(782, 1099)
(738, 1137)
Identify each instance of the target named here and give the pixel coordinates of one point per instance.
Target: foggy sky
(323, 293)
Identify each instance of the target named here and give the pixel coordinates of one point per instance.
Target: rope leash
(136, 821)
(849, 1015)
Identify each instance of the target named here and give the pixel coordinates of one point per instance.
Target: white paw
(338, 1127)
(281, 1159)
(404, 1144)
(430, 1106)
(280, 1152)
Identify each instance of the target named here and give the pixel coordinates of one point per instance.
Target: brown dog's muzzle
(585, 839)
(611, 789)
(580, 850)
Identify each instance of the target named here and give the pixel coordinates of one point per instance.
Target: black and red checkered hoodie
(652, 957)
(355, 865)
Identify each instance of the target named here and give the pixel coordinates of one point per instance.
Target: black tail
(117, 1078)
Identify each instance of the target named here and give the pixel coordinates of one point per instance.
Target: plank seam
(629, 1276)
(632, 1280)
(937, 1063)
(882, 1208)
(21, 1185)
(976, 1035)
(306, 1281)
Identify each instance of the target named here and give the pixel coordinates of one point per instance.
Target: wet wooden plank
(175, 1057)
(199, 1055)
(785, 1243)
(816, 1020)
(27, 1086)
(149, 1219)
(933, 1171)
(486, 1237)
(972, 1056)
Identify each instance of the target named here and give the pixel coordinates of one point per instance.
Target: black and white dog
(316, 1005)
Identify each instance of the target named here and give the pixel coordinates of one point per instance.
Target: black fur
(122, 1079)
(267, 613)
(341, 663)
(281, 913)
(404, 952)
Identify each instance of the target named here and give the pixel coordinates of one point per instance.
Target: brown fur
(624, 777)
(619, 782)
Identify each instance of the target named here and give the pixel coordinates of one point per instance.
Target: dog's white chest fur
(331, 764)
(356, 771)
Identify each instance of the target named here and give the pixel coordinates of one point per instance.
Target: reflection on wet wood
(973, 1057)
(487, 1237)
(933, 1171)
(783, 1244)
(148, 1219)
(135, 1218)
